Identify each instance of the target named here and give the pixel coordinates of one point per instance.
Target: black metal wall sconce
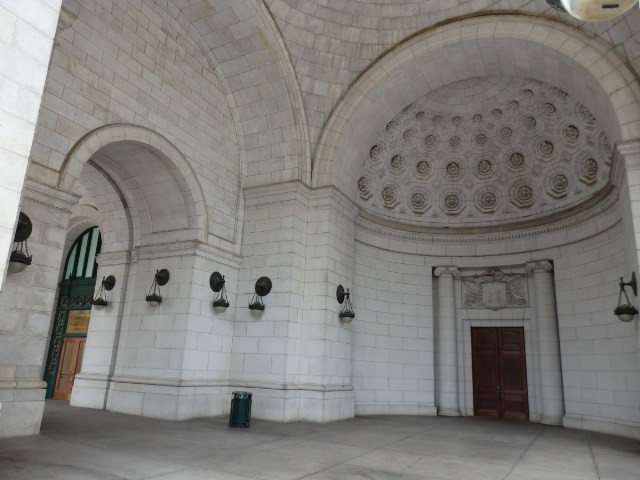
(263, 287)
(217, 284)
(100, 300)
(346, 312)
(625, 311)
(160, 279)
(20, 258)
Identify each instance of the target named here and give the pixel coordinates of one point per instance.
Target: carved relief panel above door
(494, 290)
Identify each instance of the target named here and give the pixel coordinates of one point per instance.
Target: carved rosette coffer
(495, 290)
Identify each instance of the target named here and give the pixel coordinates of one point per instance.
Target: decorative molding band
(49, 196)
(159, 382)
(416, 233)
(114, 258)
(326, 196)
(312, 387)
(190, 247)
(22, 384)
(174, 382)
(296, 190)
(395, 408)
(277, 194)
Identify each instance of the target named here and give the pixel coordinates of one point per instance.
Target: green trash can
(240, 415)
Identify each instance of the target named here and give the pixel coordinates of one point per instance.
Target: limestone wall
(393, 334)
(124, 62)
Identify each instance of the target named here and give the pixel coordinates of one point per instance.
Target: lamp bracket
(109, 282)
(631, 283)
(216, 281)
(263, 286)
(162, 277)
(23, 229)
(340, 294)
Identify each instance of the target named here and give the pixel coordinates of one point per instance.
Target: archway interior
(424, 69)
(72, 316)
(162, 196)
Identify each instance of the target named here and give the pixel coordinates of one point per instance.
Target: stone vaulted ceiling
(331, 42)
(485, 151)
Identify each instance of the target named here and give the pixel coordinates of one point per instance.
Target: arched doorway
(73, 313)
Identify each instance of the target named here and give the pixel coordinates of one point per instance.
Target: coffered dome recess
(485, 151)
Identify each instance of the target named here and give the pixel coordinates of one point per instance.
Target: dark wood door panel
(499, 373)
(486, 382)
(510, 338)
(484, 338)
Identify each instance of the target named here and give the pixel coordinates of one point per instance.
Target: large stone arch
(260, 84)
(91, 146)
(504, 44)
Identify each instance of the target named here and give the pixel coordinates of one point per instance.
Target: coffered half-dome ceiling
(483, 152)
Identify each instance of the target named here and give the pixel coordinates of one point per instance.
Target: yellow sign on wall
(78, 321)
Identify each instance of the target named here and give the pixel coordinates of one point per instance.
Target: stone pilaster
(26, 303)
(546, 327)
(91, 385)
(446, 367)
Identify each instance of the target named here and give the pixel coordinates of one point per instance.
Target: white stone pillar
(546, 326)
(26, 37)
(26, 303)
(446, 367)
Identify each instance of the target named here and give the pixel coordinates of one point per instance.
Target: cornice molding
(413, 233)
(186, 248)
(49, 196)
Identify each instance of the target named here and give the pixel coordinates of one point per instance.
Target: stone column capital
(542, 266)
(447, 271)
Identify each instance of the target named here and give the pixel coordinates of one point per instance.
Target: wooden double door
(70, 366)
(499, 373)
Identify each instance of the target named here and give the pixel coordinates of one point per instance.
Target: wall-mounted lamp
(100, 300)
(20, 257)
(263, 287)
(593, 10)
(217, 284)
(160, 279)
(346, 312)
(625, 311)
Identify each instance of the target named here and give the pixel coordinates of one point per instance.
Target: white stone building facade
(455, 167)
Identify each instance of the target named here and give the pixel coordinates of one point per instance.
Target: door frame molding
(465, 369)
